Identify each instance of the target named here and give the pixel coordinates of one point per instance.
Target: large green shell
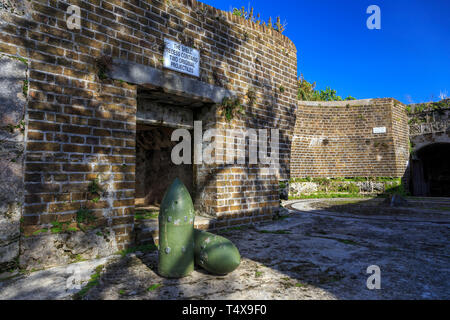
(176, 232)
(215, 254)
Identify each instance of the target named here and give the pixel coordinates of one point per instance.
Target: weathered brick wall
(400, 135)
(80, 127)
(336, 139)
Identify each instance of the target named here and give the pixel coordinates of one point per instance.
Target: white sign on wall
(379, 130)
(180, 58)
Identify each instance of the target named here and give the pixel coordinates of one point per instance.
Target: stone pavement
(310, 254)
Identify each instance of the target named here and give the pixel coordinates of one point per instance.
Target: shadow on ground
(320, 251)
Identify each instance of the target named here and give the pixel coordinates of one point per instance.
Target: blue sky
(408, 59)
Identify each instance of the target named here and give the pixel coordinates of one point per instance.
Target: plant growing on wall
(411, 148)
(103, 65)
(251, 96)
(94, 187)
(231, 107)
(249, 15)
(428, 107)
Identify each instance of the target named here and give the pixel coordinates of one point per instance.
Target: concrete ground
(318, 251)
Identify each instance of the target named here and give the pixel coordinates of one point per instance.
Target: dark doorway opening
(155, 170)
(430, 171)
(159, 114)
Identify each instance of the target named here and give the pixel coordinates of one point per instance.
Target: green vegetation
(153, 287)
(58, 227)
(94, 187)
(103, 65)
(25, 88)
(428, 107)
(411, 148)
(232, 107)
(23, 60)
(77, 258)
(146, 214)
(94, 281)
(96, 200)
(40, 231)
(249, 15)
(307, 92)
(84, 216)
(251, 96)
(329, 195)
(258, 274)
(20, 126)
(398, 189)
(349, 188)
(346, 179)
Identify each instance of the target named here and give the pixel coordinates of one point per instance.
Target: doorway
(430, 171)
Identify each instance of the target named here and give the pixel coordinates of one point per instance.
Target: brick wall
(79, 127)
(336, 139)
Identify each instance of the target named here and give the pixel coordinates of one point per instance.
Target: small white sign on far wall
(181, 58)
(379, 130)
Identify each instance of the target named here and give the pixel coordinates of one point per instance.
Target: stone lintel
(169, 82)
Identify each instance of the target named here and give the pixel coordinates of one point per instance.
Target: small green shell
(215, 254)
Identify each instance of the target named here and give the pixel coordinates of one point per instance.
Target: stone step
(147, 231)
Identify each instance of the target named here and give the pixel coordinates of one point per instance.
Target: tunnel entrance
(430, 171)
(158, 115)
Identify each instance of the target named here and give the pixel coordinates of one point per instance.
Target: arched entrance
(430, 171)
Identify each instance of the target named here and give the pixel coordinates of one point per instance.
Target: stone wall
(81, 127)
(18, 7)
(337, 139)
(429, 130)
(13, 90)
(429, 123)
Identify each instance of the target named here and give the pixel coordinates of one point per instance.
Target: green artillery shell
(176, 232)
(215, 254)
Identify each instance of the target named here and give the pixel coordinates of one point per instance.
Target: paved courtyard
(320, 250)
